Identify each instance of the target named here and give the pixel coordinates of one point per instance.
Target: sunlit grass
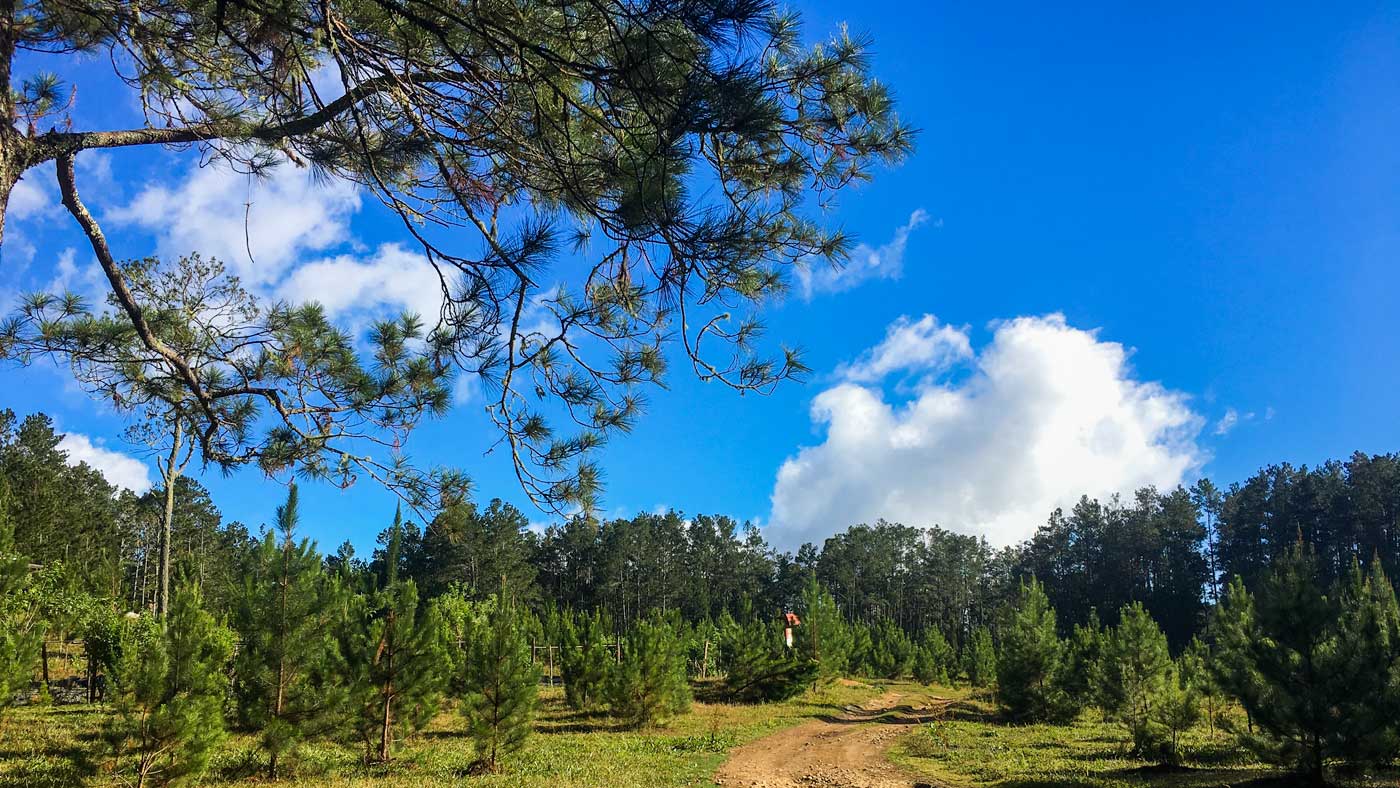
(971, 747)
(61, 746)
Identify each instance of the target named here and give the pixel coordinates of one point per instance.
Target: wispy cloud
(866, 263)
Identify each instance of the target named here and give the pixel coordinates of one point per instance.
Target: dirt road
(846, 750)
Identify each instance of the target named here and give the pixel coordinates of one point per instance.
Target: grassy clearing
(968, 747)
(61, 746)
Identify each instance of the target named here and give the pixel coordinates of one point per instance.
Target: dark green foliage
(862, 645)
(1313, 670)
(585, 660)
(500, 685)
(21, 629)
(1178, 706)
(289, 673)
(757, 664)
(167, 684)
(1080, 672)
(477, 550)
(824, 636)
(396, 660)
(648, 686)
(1365, 679)
(1105, 555)
(934, 661)
(1195, 668)
(1029, 658)
(1234, 628)
(979, 658)
(891, 652)
(1288, 663)
(1135, 676)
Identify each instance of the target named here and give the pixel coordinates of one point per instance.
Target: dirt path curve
(843, 751)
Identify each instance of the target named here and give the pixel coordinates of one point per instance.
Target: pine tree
(1082, 664)
(891, 650)
(1235, 631)
(461, 619)
(501, 685)
(585, 660)
(288, 669)
(1029, 658)
(824, 636)
(979, 658)
(1137, 669)
(1290, 665)
(862, 646)
(395, 657)
(1365, 655)
(934, 658)
(21, 631)
(168, 683)
(1176, 709)
(648, 685)
(1194, 668)
(757, 663)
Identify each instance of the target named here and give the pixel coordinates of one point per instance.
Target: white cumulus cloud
(223, 214)
(391, 277)
(294, 224)
(1046, 413)
(119, 469)
(910, 345)
(884, 262)
(31, 197)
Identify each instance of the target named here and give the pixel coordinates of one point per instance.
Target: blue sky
(1214, 189)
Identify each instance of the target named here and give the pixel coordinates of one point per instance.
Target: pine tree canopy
(679, 151)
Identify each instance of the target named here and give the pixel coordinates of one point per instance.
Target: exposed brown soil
(846, 750)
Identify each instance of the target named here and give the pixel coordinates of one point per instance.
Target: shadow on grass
(1178, 778)
(564, 720)
(69, 765)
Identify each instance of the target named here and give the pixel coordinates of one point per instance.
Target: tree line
(1174, 551)
(1198, 594)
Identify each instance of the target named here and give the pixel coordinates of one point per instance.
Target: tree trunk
(386, 734)
(172, 475)
(388, 724)
(281, 643)
(11, 142)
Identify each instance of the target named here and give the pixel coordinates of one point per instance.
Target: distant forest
(1171, 550)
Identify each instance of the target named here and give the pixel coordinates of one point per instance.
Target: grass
(964, 746)
(61, 746)
(968, 746)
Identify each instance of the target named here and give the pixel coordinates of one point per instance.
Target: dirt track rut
(841, 751)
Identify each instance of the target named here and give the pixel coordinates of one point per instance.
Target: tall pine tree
(979, 658)
(396, 658)
(1137, 668)
(288, 672)
(1030, 657)
(824, 636)
(501, 685)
